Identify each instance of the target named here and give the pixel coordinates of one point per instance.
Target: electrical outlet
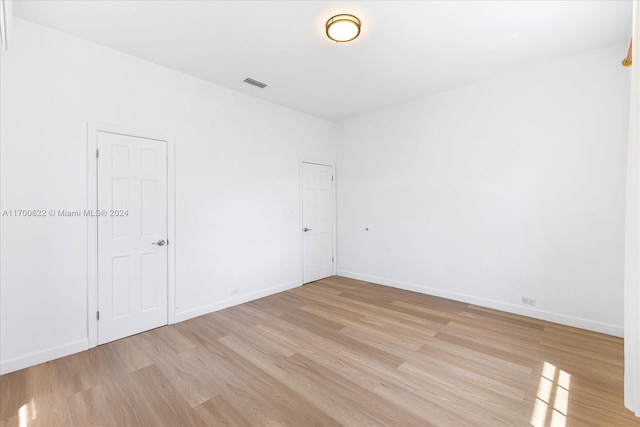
(528, 301)
(235, 292)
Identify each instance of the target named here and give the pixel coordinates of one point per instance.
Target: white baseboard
(239, 299)
(577, 322)
(52, 353)
(35, 358)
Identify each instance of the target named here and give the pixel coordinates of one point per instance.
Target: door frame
(334, 227)
(92, 223)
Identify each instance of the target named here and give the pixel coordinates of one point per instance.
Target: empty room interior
(319, 213)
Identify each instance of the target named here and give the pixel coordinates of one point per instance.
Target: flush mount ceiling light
(343, 28)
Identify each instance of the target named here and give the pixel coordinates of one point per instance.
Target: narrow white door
(132, 235)
(317, 221)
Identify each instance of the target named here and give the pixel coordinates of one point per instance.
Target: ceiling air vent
(255, 83)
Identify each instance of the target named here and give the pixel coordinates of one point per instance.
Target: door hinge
(331, 177)
(332, 260)
(97, 315)
(97, 153)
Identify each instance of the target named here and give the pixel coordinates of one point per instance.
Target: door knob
(306, 229)
(159, 242)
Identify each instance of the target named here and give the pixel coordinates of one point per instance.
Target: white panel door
(317, 221)
(132, 233)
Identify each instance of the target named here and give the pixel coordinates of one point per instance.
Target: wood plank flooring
(333, 352)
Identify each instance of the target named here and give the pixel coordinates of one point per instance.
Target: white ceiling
(407, 49)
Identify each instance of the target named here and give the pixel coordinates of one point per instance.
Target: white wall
(632, 234)
(237, 184)
(506, 188)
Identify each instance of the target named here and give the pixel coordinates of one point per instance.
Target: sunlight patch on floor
(554, 387)
(27, 413)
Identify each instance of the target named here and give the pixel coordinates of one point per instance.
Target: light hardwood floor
(334, 352)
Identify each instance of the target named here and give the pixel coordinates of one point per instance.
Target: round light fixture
(343, 28)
